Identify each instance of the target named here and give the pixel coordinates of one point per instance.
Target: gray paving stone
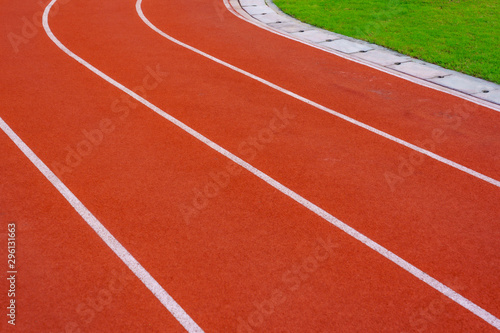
(492, 96)
(346, 46)
(270, 18)
(380, 57)
(289, 26)
(245, 3)
(255, 10)
(419, 70)
(315, 36)
(466, 84)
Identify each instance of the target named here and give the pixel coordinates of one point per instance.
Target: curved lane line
(319, 106)
(459, 299)
(172, 306)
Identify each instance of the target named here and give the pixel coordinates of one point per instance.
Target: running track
(225, 202)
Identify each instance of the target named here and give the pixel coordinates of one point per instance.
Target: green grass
(463, 35)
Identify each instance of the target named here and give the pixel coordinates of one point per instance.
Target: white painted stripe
(105, 235)
(175, 309)
(283, 189)
(232, 6)
(319, 106)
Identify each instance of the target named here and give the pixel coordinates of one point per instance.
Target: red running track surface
(235, 253)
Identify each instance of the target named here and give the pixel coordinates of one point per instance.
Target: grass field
(462, 35)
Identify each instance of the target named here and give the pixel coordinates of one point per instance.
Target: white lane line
(319, 106)
(172, 306)
(237, 10)
(480, 312)
(105, 235)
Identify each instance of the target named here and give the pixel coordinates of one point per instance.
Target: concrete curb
(266, 14)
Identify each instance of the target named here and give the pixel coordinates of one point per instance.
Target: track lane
(125, 256)
(68, 280)
(396, 106)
